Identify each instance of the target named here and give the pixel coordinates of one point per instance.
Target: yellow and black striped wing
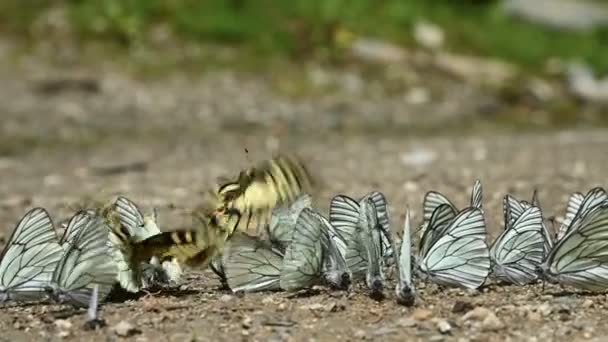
(190, 247)
(258, 190)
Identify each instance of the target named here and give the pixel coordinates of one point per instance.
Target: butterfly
(283, 221)
(133, 226)
(312, 255)
(191, 247)
(519, 249)
(85, 263)
(404, 290)
(433, 199)
(278, 231)
(514, 208)
(453, 249)
(580, 257)
(370, 236)
(29, 258)
(579, 205)
(257, 190)
(344, 216)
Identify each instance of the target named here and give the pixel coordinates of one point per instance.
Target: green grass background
(309, 28)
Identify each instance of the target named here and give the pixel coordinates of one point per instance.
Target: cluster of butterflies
(116, 244)
(260, 232)
(302, 248)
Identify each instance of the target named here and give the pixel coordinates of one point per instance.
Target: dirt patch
(178, 170)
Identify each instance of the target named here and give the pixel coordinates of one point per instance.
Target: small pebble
(422, 314)
(492, 323)
(360, 334)
(246, 322)
(477, 314)
(462, 307)
(125, 329)
(406, 322)
(226, 298)
(444, 326)
(63, 324)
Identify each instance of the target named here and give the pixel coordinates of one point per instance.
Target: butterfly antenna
(155, 212)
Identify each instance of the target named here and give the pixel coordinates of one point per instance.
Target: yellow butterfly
(257, 190)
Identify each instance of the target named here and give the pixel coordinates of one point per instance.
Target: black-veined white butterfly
(405, 290)
(283, 221)
(252, 264)
(29, 258)
(519, 249)
(370, 234)
(580, 258)
(134, 226)
(85, 263)
(514, 208)
(580, 206)
(344, 215)
(457, 253)
(313, 255)
(433, 199)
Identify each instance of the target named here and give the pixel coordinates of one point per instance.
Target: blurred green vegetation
(312, 28)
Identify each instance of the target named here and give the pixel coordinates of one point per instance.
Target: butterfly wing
(578, 204)
(380, 204)
(303, 261)
(251, 264)
(460, 256)
(85, 263)
(439, 222)
(371, 235)
(344, 215)
(580, 259)
(476, 195)
(432, 200)
(29, 258)
(518, 251)
(283, 221)
(258, 190)
(335, 269)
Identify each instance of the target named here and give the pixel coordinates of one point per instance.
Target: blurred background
(158, 99)
(84, 71)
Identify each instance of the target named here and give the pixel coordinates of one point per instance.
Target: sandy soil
(174, 174)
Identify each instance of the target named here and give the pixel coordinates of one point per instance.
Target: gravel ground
(404, 168)
(164, 143)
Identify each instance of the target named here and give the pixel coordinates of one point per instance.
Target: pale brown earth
(56, 166)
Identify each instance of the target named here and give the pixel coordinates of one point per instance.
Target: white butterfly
(312, 255)
(580, 206)
(86, 262)
(517, 207)
(433, 199)
(252, 264)
(283, 221)
(456, 252)
(370, 235)
(344, 215)
(405, 290)
(29, 258)
(580, 258)
(519, 249)
(279, 232)
(134, 226)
